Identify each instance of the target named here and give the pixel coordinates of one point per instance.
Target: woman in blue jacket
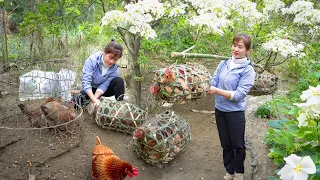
(230, 84)
(100, 76)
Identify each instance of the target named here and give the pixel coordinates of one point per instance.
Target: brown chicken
(55, 105)
(107, 166)
(149, 145)
(33, 111)
(59, 116)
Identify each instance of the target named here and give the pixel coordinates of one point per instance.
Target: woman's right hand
(96, 102)
(212, 90)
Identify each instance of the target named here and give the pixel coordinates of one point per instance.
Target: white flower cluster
(177, 10)
(314, 31)
(136, 18)
(311, 108)
(248, 11)
(214, 15)
(114, 19)
(304, 12)
(272, 6)
(285, 47)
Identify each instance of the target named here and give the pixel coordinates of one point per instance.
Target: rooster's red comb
(134, 173)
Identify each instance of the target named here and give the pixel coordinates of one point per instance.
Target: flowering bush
(300, 136)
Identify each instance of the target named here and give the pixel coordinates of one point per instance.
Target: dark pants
(116, 88)
(231, 127)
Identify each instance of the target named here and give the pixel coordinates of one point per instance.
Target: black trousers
(231, 127)
(116, 88)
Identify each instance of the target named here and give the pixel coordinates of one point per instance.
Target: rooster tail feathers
(98, 140)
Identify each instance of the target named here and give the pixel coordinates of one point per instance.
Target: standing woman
(100, 76)
(230, 84)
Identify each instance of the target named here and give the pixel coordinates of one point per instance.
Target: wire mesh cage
(119, 116)
(38, 122)
(181, 82)
(161, 138)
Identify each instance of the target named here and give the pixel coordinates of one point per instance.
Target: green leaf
(308, 132)
(318, 170)
(300, 133)
(272, 178)
(293, 111)
(292, 127)
(277, 152)
(277, 123)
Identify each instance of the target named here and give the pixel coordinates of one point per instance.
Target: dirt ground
(201, 159)
(26, 151)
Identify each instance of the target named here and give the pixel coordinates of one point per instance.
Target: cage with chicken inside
(160, 139)
(181, 82)
(38, 122)
(118, 115)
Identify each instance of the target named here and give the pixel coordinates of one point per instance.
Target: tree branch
(276, 64)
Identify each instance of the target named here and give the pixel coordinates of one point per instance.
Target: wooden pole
(4, 35)
(196, 55)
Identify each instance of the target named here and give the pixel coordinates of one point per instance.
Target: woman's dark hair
(113, 48)
(245, 38)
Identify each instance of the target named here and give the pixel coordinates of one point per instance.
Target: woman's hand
(212, 90)
(96, 102)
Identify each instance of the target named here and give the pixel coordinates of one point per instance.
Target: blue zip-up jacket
(92, 75)
(239, 80)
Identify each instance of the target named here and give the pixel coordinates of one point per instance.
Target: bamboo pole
(196, 55)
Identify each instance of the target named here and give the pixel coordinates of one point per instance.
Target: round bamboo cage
(181, 82)
(161, 138)
(119, 115)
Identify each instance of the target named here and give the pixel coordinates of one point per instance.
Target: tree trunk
(33, 4)
(4, 36)
(67, 40)
(132, 42)
(52, 43)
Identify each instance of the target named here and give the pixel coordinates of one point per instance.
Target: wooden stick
(203, 111)
(196, 55)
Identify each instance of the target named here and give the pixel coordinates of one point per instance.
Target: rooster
(33, 111)
(168, 76)
(107, 166)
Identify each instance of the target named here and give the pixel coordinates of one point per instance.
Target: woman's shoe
(228, 176)
(238, 176)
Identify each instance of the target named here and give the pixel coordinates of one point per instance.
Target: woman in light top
(230, 84)
(101, 76)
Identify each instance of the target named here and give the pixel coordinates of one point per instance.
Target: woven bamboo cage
(265, 83)
(28, 136)
(119, 116)
(161, 138)
(181, 82)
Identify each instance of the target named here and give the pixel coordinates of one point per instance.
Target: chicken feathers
(33, 110)
(107, 166)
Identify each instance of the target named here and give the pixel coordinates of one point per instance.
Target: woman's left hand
(212, 90)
